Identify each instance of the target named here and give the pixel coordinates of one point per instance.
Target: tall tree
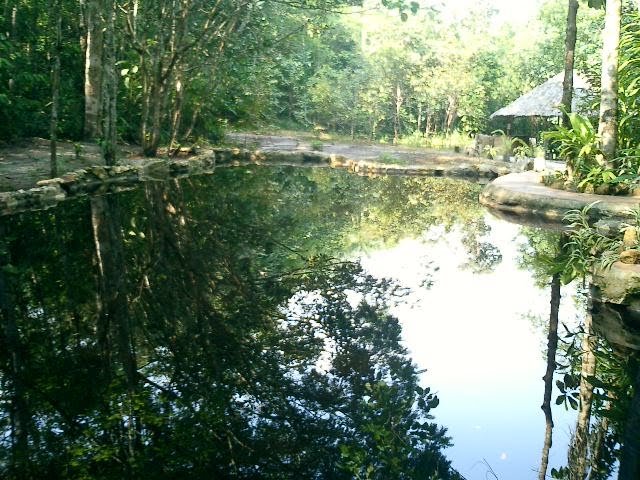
(162, 36)
(94, 16)
(56, 45)
(569, 57)
(608, 126)
(109, 86)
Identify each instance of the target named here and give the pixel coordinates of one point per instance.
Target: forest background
(174, 72)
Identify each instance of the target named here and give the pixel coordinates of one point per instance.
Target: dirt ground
(24, 164)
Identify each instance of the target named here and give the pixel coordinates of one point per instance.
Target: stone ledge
(616, 304)
(522, 196)
(102, 180)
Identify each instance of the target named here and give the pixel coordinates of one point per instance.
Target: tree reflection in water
(153, 334)
(596, 373)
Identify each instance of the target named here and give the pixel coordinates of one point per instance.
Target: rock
(620, 189)
(620, 326)
(524, 164)
(99, 172)
(630, 238)
(603, 189)
(630, 257)
(617, 284)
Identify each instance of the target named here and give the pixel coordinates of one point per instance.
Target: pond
(287, 323)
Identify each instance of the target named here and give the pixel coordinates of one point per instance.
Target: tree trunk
(151, 137)
(419, 120)
(114, 327)
(396, 117)
(56, 13)
(579, 449)
(452, 113)
(109, 88)
(194, 119)
(176, 114)
(552, 346)
(602, 428)
(93, 68)
(608, 126)
(569, 56)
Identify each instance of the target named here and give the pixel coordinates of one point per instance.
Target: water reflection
(155, 334)
(244, 325)
(596, 373)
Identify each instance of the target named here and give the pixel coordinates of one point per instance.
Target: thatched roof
(543, 100)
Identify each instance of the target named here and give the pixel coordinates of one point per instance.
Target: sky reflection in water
(482, 354)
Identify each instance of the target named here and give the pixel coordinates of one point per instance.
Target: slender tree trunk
(151, 137)
(12, 31)
(552, 346)
(569, 57)
(598, 445)
(56, 13)
(109, 88)
(396, 117)
(176, 114)
(578, 451)
(419, 120)
(93, 70)
(427, 124)
(608, 126)
(194, 119)
(452, 113)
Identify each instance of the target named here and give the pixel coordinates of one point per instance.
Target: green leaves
(596, 3)
(579, 145)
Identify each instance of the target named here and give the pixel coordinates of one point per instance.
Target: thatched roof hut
(543, 100)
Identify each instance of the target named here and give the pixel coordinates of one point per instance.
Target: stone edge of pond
(521, 197)
(616, 304)
(98, 180)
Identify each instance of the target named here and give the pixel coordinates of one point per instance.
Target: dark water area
(290, 323)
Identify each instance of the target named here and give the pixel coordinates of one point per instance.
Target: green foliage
(490, 151)
(316, 145)
(522, 149)
(253, 340)
(297, 64)
(585, 247)
(578, 145)
(629, 82)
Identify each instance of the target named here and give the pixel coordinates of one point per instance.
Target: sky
(516, 12)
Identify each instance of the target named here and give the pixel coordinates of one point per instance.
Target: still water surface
(276, 323)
